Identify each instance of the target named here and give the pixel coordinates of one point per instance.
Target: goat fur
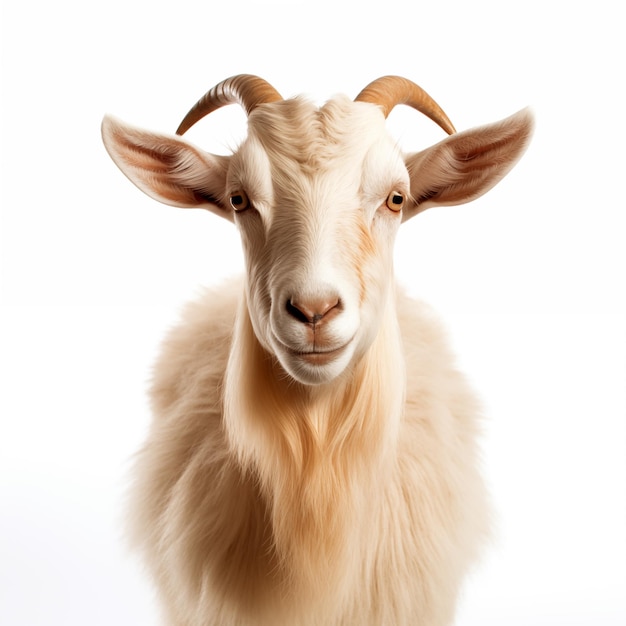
(376, 525)
(263, 497)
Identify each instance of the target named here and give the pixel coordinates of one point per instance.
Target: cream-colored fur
(373, 523)
(312, 460)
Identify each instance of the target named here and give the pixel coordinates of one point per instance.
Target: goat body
(312, 460)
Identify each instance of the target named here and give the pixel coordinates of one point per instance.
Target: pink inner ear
(463, 167)
(143, 158)
(168, 169)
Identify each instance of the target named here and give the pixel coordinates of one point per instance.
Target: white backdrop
(529, 278)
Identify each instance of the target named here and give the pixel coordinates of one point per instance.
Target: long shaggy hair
(361, 505)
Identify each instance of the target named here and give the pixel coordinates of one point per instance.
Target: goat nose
(313, 310)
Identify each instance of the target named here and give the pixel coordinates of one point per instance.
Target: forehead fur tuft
(315, 138)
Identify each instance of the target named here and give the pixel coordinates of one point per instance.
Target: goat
(313, 456)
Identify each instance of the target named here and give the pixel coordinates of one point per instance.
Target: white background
(529, 278)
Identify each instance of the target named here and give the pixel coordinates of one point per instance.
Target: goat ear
(168, 168)
(466, 165)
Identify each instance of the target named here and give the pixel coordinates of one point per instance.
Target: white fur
(311, 473)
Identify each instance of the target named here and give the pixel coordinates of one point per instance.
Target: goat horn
(245, 89)
(388, 91)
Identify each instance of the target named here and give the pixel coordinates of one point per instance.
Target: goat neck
(314, 446)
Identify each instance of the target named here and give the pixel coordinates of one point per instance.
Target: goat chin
(315, 367)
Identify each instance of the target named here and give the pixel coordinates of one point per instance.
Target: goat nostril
(294, 311)
(312, 311)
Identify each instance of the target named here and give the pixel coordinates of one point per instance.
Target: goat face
(318, 201)
(318, 195)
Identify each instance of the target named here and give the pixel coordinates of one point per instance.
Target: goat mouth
(312, 355)
(316, 356)
(319, 357)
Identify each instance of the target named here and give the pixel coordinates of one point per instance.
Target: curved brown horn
(245, 89)
(388, 91)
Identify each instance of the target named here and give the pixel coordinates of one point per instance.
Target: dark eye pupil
(237, 199)
(397, 199)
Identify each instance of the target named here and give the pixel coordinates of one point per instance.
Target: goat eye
(239, 201)
(395, 201)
